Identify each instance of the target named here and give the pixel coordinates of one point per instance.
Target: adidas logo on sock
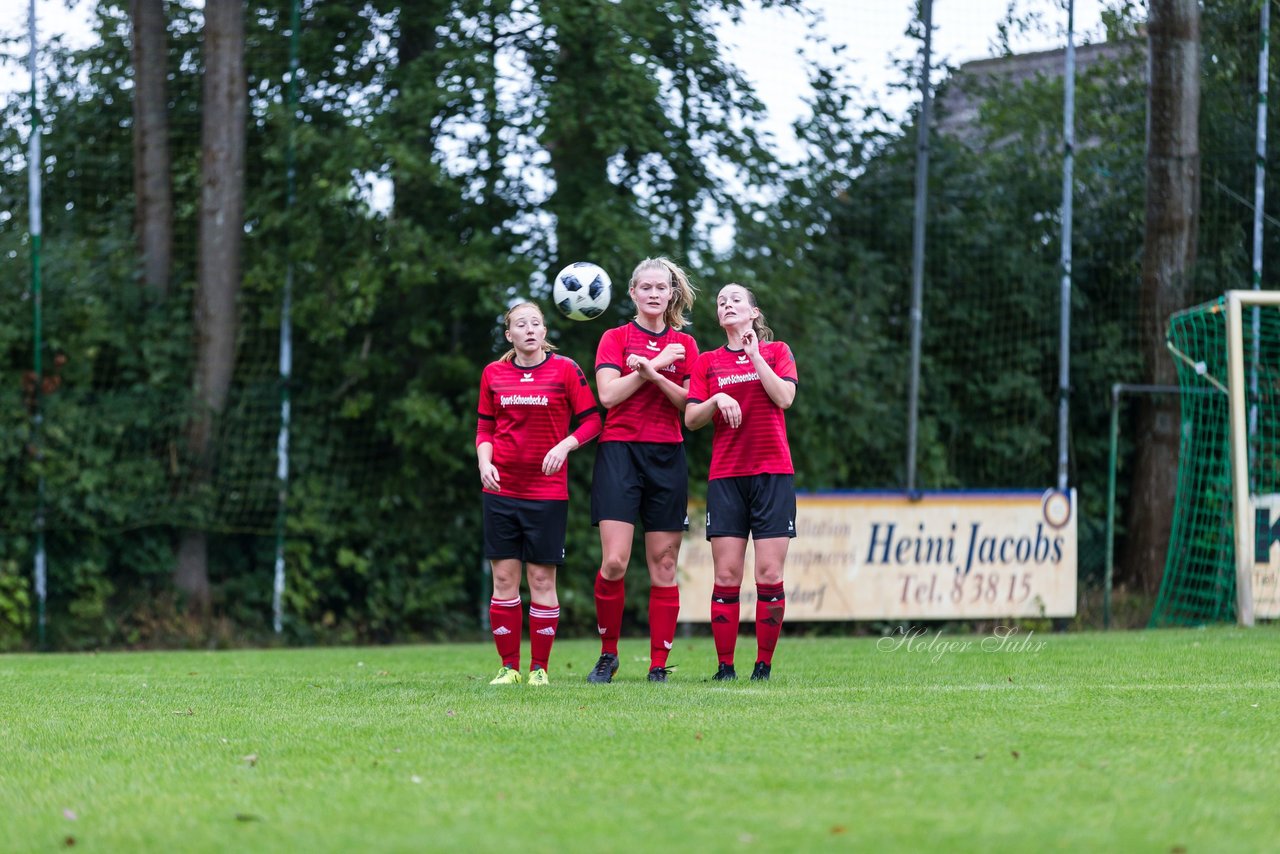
(546, 631)
(666, 644)
(502, 630)
(720, 618)
(602, 629)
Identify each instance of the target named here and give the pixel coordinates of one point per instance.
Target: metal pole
(1109, 571)
(286, 330)
(1259, 195)
(34, 160)
(917, 244)
(1068, 169)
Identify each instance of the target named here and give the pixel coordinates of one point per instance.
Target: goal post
(1223, 560)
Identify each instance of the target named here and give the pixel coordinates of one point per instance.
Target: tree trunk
(152, 183)
(1169, 252)
(218, 268)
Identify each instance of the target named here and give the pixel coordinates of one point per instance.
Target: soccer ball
(582, 290)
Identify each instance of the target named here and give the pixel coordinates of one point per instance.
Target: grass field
(1144, 741)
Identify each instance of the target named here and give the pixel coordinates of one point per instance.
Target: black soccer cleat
(659, 674)
(726, 673)
(606, 666)
(761, 672)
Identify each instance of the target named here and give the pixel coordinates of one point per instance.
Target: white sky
(765, 44)
(873, 31)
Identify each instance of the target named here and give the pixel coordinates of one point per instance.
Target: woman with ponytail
(642, 374)
(528, 399)
(744, 388)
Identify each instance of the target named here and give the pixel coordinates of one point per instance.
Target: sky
(874, 33)
(764, 45)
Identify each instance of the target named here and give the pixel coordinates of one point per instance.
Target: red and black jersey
(525, 412)
(759, 445)
(648, 415)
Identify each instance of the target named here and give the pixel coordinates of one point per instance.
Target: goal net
(1224, 549)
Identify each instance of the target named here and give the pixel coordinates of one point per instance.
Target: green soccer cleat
(509, 676)
(538, 676)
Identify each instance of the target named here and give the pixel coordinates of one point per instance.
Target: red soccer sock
(664, 607)
(505, 620)
(771, 604)
(725, 615)
(610, 599)
(543, 621)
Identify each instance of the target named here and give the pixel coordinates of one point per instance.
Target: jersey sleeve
(609, 353)
(698, 380)
(484, 412)
(583, 403)
(784, 364)
(690, 359)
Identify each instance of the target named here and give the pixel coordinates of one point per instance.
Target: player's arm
(589, 423)
(677, 393)
(781, 391)
(614, 387)
(699, 414)
(488, 471)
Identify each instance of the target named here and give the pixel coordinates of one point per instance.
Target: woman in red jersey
(527, 401)
(744, 389)
(642, 374)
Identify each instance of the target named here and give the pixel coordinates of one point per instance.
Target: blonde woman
(642, 374)
(528, 400)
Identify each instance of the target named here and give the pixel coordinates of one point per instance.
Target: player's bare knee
(663, 573)
(769, 574)
(613, 567)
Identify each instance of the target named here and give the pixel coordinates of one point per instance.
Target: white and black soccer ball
(582, 291)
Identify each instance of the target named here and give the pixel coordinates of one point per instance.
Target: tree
(1169, 254)
(218, 277)
(152, 182)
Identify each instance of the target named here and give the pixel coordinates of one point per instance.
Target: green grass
(1146, 741)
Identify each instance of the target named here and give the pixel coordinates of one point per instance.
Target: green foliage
(445, 159)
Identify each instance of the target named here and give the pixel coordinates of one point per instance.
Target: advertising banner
(885, 556)
(1266, 556)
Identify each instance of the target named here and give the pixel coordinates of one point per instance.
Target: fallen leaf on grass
(979, 756)
(1015, 754)
(384, 673)
(251, 759)
(838, 829)
(188, 712)
(69, 841)
(247, 816)
(451, 713)
(697, 736)
(69, 814)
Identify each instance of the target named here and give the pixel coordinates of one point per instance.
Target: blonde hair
(683, 293)
(762, 330)
(510, 355)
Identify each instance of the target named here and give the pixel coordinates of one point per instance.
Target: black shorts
(526, 529)
(648, 480)
(763, 505)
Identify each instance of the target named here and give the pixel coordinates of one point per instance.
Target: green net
(1200, 572)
